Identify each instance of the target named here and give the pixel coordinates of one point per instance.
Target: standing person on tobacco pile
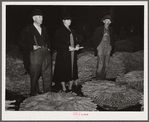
(66, 61)
(103, 40)
(34, 38)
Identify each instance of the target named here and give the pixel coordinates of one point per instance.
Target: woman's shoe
(68, 91)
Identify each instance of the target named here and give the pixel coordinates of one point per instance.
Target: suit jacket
(98, 35)
(27, 40)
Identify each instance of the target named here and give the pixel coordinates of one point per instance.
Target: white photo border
(56, 115)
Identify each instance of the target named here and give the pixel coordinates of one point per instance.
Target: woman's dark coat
(62, 71)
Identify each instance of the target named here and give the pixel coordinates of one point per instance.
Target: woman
(66, 61)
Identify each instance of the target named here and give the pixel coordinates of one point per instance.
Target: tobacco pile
(86, 66)
(134, 79)
(57, 102)
(109, 95)
(134, 61)
(15, 82)
(116, 66)
(122, 62)
(14, 66)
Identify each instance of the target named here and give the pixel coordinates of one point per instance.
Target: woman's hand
(77, 47)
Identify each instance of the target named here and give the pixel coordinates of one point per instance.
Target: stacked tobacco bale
(109, 95)
(13, 66)
(14, 81)
(57, 102)
(134, 61)
(116, 66)
(124, 46)
(122, 62)
(134, 79)
(86, 66)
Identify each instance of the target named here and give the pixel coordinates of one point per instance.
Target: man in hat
(103, 41)
(34, 39)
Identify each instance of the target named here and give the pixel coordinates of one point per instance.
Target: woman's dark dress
(63, 69)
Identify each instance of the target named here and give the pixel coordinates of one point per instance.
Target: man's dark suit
(40, 59)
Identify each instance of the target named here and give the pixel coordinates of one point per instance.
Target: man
(103, 41)
(34, 39)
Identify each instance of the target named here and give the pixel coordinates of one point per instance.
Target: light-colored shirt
(39, 29)
(106, 31)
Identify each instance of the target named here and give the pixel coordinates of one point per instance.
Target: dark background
(85, 18)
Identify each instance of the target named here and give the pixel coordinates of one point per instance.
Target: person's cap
(106, 17)
(37, 12)
(66, 16)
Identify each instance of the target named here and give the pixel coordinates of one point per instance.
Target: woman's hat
(36, 12)
(66, 16)
(106, 17)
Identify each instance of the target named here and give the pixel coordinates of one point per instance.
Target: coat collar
(35, 30)
(63, 26)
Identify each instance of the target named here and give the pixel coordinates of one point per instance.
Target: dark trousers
(26, 59)
(40, 66)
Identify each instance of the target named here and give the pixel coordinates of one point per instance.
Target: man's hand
(8, 103)
(71, 48)
(35, 47)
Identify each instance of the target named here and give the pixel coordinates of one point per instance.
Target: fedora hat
(66, 16)
(36, 12)
(107, 17)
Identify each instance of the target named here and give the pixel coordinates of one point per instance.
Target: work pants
(40, 66)
(102, 64)
(103, 58)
